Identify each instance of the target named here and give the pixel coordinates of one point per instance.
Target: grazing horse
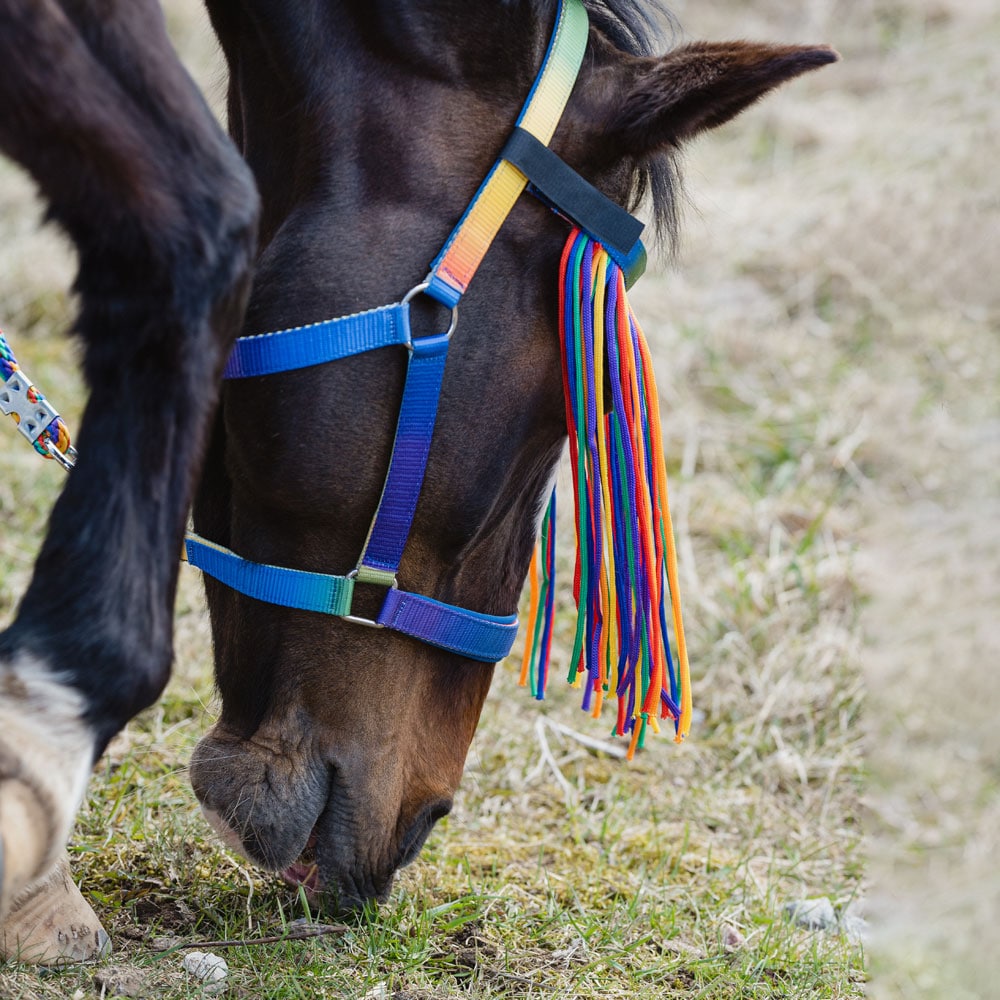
(367, 127)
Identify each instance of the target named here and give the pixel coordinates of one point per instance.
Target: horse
(366, 128)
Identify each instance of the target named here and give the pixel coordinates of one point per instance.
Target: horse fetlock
(46, 753)
(50, 923)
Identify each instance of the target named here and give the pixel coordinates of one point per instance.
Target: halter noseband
(525, 159)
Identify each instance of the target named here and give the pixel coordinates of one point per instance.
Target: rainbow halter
(626, 566)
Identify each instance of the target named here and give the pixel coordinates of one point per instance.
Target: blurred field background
(828, 358)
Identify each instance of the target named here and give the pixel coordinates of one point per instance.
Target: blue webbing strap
(291, 588)
(477, 636)
(390, 528)
(316, 343)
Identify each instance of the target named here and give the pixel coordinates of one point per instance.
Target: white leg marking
(46, 755)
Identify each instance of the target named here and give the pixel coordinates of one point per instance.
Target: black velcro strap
(560, 185)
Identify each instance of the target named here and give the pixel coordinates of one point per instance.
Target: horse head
(369, 127)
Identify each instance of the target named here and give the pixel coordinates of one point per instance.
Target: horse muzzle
(299, 815)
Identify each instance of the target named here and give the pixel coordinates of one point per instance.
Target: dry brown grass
(885, 266)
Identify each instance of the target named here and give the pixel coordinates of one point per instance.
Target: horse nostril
(419, 829)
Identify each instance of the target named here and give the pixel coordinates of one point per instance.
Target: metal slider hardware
(33, 416)
(356, 619)
(446, 336)
(66, 459)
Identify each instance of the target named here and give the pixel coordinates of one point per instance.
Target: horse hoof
(50, 923)
(46, 753)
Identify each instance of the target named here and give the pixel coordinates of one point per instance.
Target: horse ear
(699, 86)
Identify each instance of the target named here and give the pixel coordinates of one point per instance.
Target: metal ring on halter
(419, 290)
(66, 459)
(355, 619)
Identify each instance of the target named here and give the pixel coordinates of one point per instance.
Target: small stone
(206, 966)
(79, 995)
(815, 914)
(675, 946)
(732, 939)
(854, 928)
(119, 981)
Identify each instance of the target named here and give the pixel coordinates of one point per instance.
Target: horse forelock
(643, 28)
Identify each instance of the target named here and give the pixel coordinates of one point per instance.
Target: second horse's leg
(163, 214)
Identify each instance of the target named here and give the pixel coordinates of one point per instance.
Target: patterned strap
(36, 418)
(465, 248)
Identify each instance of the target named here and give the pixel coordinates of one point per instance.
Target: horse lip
(318, 882)
(305, 876)
(419, 830)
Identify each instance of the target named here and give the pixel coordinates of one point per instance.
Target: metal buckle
(66, 459)
(419, 290)
(356, 619)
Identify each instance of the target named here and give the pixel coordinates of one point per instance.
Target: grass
(827, 355)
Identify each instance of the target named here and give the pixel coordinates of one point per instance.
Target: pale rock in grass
(209, 968)
(815, 914)
(855, 929)
(853, 925)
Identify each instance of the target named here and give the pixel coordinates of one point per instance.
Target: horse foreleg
(163, 215)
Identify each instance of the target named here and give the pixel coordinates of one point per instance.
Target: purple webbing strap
(487, 638)
(417, 416)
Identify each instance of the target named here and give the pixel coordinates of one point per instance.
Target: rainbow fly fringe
(626, 565)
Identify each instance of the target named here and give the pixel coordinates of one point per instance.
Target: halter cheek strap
(463, 252)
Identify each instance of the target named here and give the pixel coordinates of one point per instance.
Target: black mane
(639, 27)
(634, 26)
